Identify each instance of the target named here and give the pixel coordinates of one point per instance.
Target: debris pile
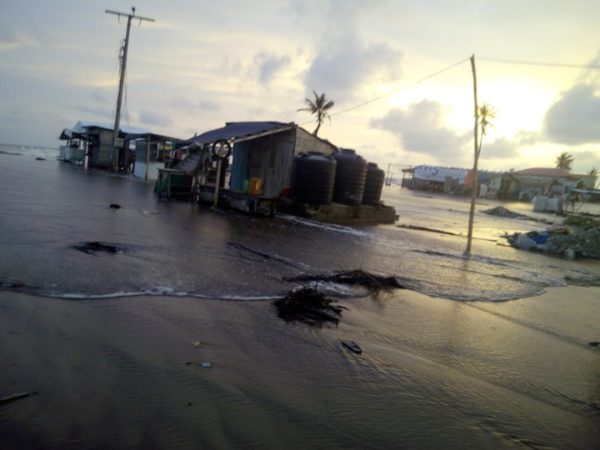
(309, 306)
(579, 238)
(501, 211)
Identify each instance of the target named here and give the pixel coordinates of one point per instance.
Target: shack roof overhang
(153, 137)
(241, 131)
(84, 128)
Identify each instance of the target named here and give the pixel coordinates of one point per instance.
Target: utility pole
(123, 67)
(477, 148)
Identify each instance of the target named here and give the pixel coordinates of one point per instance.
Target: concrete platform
(346, 214)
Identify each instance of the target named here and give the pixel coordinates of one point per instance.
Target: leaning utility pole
(477, 149)
(123, 66)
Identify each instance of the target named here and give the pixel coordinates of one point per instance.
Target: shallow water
(434, 373)
(49, 207)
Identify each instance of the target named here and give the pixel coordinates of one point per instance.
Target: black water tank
(350, 177)
(314, 176)
(373, 185)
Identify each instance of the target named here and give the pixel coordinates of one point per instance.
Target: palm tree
(486, 114)
(319, 108)
(564, 161)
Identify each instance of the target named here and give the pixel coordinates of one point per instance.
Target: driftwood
(432, 230)
(15, 397)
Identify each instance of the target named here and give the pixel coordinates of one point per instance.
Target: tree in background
(564, 161)
(319, 108)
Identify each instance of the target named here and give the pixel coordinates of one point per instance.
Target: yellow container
(255, 186)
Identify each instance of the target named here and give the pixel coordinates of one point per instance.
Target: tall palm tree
(319, 108)
(564, 161)
(486, 115)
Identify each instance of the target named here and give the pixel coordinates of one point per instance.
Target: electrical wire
(414, 83)
(394, 92)
(539, 63)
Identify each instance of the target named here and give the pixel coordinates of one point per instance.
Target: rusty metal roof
(241, 130)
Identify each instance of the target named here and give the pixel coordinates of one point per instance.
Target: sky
(397, 70)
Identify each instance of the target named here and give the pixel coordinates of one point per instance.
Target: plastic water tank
(373, 185)
(314, 177)
(350, 177)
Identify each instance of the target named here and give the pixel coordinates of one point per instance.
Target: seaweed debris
(308, 306)
(374, 283)
(92, 247)
(352, 346)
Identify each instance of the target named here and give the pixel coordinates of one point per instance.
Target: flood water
(470, 355)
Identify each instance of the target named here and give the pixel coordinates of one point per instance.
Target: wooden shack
(258, 170)
(95, 141)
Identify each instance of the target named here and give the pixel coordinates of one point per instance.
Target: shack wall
(101, 154)
(271, 158)
(306, 142)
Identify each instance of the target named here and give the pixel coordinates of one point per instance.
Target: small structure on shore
(152, 152)
(141, 152)
(94, 141)
(267, 166)
(436, 179)
(538, 181)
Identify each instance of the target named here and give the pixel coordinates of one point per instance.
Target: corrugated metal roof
(239, 130)
(82, 126)
(542, 172)
(155, 136)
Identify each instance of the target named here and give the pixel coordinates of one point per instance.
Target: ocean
(491, 350)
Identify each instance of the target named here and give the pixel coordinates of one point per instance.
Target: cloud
(343, 60)
(585, 160)
(499, 149)
(346, 64)
(10, 40)
(421, 130)
(148, 117)
(269, 65)
(574, 118)
(182, 103)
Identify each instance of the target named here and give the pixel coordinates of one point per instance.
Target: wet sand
(434, 373)
(96, 336)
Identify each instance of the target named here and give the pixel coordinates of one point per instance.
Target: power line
(539, 63)
(451, 66)
(414, 83)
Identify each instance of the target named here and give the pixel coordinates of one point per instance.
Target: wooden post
(147, 157)
(218, 182)
(123, 68)
(476, 148)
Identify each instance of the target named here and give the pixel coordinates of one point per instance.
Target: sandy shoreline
(113, 372)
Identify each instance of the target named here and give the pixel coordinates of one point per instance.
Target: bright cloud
(346, 65)
(150, 117)
(269, 65)
(575, 117)
(420, 128)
